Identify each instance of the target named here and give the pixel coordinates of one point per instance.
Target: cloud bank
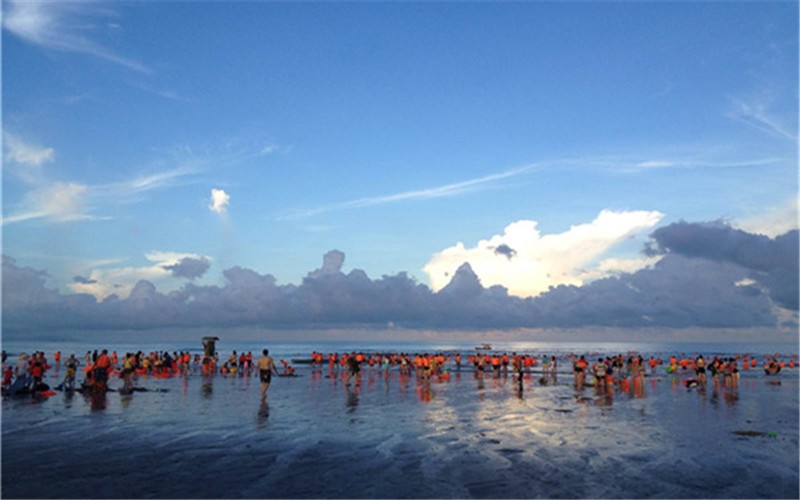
(709, 275)
(771, 264)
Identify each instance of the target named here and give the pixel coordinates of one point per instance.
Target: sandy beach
(399, 437)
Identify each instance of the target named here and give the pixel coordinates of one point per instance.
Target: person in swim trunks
(72, 368)
(700, 369)
(266, 367)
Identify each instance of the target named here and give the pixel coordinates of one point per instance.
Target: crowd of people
(27, 375)
(618, 370)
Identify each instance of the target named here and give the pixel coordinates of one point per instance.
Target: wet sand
(402, 438)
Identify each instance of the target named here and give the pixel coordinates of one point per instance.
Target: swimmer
(266, 367)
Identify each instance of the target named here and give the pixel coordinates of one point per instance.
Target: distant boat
(484, 347)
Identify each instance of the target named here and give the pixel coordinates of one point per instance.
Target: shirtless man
(266, 367)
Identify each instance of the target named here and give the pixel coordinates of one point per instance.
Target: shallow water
(399, 437)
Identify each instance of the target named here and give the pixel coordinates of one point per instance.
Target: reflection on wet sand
(604, 395)
(207, 388)
(478, 435)
(97, 400)
(263, 414)
(519, 390)
(468, 433)
(352, 398)
(125, 400)
(424, 390)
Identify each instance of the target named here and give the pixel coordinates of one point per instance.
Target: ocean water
(292, 350)
(401, 437)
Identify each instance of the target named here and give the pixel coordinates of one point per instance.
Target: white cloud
(18, 151)
(219, 201)
(616, 267)
(104, 282)
(57, 202)
(67, 201)
(627, 166)
(756, 113)
(773, 221)
(528, 263)
(457, 188)
(144, 183)
(618, 164)
(746, 282)
(656, 164)
(269, 149)
(55, 26)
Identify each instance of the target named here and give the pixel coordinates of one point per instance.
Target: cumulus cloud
(332, 263)
(105, 282)
(617, 267)
(219, 201)
(730, 285)
(189, 267)
(770, 262)
(540, 261)
(677, 292)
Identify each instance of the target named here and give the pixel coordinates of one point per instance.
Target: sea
(302, 349)
(386, 435)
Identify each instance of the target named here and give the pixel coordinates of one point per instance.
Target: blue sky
(391, 132)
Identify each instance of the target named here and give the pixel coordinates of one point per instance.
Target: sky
(430, 165)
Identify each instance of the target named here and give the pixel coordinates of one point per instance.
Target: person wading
(266, 367)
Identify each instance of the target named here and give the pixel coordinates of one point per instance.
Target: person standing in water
(354, 368)
(72, 368)
(266, 367)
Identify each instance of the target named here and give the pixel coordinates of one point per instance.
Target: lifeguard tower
(209, 346)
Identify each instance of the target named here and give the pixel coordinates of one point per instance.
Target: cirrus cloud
(62, 27)
(56, 202)
(18, 151)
